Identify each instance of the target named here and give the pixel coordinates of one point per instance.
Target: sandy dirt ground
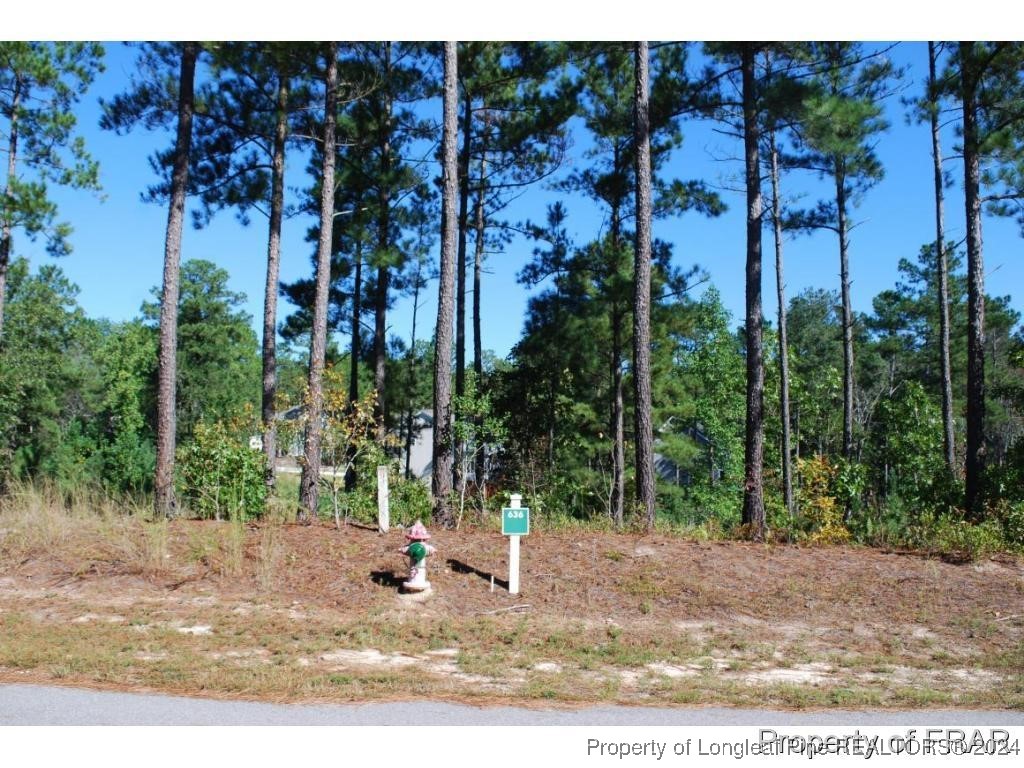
(297, 613)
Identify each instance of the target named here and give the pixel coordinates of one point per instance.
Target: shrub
(702, 502)
(964, 541)
(1011, 517)
(893, 524)
(1007, 481)
(219, 475)
(849, 480)
(410, 500)
(819, 505)
(128, 464)
(907, 440)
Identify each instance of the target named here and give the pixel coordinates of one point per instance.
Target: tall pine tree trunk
(844, 280)
(356, 348)
(617, 429)
(975, 458)
(270, 290)
(644, 430)
(380, 352)
(460, 289)
(753, 493)
(618, 425)
(167, 368)
(5, 227)
(478, 352)
(780, 288)
(796, 432)
(410, 416)
(442, 448)
(310, 481)
(942, 268)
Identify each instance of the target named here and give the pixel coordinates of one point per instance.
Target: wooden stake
(513, 552)
(383, 513)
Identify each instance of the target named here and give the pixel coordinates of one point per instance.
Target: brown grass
(93, 594)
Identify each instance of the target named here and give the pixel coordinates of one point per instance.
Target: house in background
(415, 457)
(417, 460)
(670, 472)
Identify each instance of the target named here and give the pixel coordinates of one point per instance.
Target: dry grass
(82, 532)
(93, 593)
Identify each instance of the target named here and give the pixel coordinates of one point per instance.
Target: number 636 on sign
(515, 521)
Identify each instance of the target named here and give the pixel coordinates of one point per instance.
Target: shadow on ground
(386, 579)
(460, 567)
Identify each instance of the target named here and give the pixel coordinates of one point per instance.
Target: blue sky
(118, 240)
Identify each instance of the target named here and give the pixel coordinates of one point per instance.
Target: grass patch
(97, 594)
(644, 584)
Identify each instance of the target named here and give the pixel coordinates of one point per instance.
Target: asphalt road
(49, 705)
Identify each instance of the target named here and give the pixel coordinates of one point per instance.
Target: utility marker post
(383, 512)
(515, 522)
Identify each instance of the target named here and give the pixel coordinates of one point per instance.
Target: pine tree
(556, 393)
(217, 348)
(148, 102)
(768, 99)
(607, 72)
(40, 83)
(268, 402)
(753, 493)
(382, 127)
(310, 480)
(743, 113)
(839, 128)
(515, 105)
(933, 107)
(643, 430)
(990, 87)
(379, 183)
(421, 247)
(239, 162)
(784, 92)
(442, 448)
(780, 292)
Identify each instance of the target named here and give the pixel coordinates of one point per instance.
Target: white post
(513, 552)
(383, 514)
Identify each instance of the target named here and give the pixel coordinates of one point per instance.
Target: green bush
(849, 482)
(822, 486)
(410, 501)
(902, 524)
(893, 524)
(1006, 482)
(128, 464)
(1011, 517)
(907, 440)
(73, 463)
(219, 475)
(963, 540)
(577, 494)
(721, 501)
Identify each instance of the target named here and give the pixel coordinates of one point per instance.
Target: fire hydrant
(417, 551)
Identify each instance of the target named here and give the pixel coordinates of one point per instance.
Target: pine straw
(93, 593)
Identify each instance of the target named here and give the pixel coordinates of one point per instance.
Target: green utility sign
(515, 521)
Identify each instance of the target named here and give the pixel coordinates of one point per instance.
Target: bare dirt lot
(296, 613)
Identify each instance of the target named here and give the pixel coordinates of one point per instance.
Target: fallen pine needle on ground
(286, 612)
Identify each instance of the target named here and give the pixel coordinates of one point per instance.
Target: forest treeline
(632, 397)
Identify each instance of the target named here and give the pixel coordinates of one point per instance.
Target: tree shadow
(360, 526)
(386, 579)
(460, 567)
